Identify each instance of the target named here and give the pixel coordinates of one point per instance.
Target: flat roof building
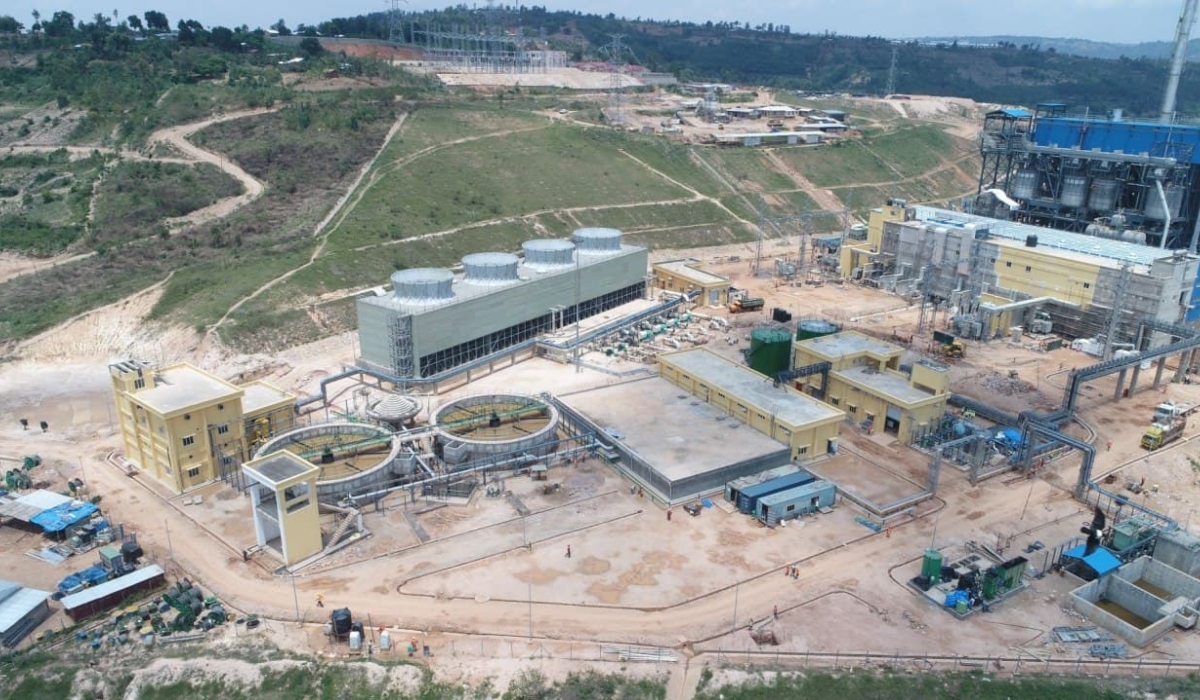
(283, 491)
(21, 611)
(687, 275)
(185, 427)
(865, 381)
(807, 426)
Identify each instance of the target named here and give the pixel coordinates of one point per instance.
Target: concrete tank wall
(466, 450)
(333, 490)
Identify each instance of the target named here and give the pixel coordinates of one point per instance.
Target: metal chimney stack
(1178, 55)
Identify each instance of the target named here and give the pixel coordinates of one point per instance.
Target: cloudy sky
(1102, 20)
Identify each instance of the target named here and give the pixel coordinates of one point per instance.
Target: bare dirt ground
(633, 576)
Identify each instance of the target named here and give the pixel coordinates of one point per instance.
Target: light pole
(736, 586)
(295, 596)
(530, 610)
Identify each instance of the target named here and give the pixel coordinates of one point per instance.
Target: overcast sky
(1103, 20)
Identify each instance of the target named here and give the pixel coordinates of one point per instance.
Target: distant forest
(779, 55)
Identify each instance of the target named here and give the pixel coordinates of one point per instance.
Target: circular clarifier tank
(491, 425)
(353, 457)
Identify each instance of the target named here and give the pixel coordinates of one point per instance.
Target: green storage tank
(991, 583)
(770, 350)
(815, 328)
(931, 566)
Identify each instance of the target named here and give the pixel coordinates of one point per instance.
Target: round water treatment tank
(1104, 195)
(548, 253)
(598, 241)
(490, 268)
(1025, 184)
(1074, 191)
(1154, 205)
(770, 350)
(1133, 235)
(423, 284)
(815, 328)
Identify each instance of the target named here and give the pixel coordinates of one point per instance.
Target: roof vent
(423, 285)
(598, 241)
(490, 268)
(548, 253)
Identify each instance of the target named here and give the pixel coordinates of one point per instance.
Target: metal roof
(278, 467)
(745, 384)
(1098, 248)
(1102, 561)
(116, 585)
(17, 606)
(1014, 112)
(25, 508)
(685, 268)
(801, 491)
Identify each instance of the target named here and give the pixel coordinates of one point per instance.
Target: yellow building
(858, 259)
(864, 381)
(686, 275)
(806, 425)
(283, 493)
(184, 427)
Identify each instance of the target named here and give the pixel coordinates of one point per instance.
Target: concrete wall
(1179, 550)
(1121, 589)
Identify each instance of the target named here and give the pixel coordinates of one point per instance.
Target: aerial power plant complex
(974, 412)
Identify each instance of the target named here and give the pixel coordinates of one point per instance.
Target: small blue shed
(795, 502)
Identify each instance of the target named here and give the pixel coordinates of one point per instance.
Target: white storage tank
(355, 640)
(1154, 206)
(548, 253)
(1025, 184)
(423, 285)
(385, 641)
(1104, 195)
(598, 241)
(490, 268)
(1074, 191)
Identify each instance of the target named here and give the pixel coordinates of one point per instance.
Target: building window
(189, 441)
(834, 401)
(802, 451)
(222, 429)
(791, 507)
(1087, 285)
(761, 417)
(1008, 264)
(852, 408)
(139, 383)
(193, 472)
(1028, 268)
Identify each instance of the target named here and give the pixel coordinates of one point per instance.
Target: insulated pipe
(1178, 55)
(1162, 196)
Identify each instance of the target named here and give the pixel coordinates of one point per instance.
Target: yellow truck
(1168, 424)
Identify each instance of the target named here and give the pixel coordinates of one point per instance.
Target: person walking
(568, 551)
(775, 612)
(320, 601)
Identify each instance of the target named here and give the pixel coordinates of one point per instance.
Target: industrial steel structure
(434, 320)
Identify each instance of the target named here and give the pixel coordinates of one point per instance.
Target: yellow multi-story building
(185, 427)
(806, 425)
(865, 382)
(686, 276)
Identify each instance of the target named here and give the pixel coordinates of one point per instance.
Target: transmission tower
(615, 52)
(891, 83)
(395, 26)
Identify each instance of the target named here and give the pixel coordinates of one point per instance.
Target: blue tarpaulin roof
(1102, 561)
(61, 517)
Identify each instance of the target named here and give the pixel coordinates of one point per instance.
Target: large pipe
(1162, 196)
(1182, 31)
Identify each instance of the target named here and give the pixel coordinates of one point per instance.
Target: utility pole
(615, 51)
(736, 585)
(295, 596)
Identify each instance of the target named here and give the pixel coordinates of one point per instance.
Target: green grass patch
(560, 166)
(693, 236)
(948, 686)
(35, 237)
(749, 169)
(135, 197)
(653, 216)
(838, 162)
(915, 150)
